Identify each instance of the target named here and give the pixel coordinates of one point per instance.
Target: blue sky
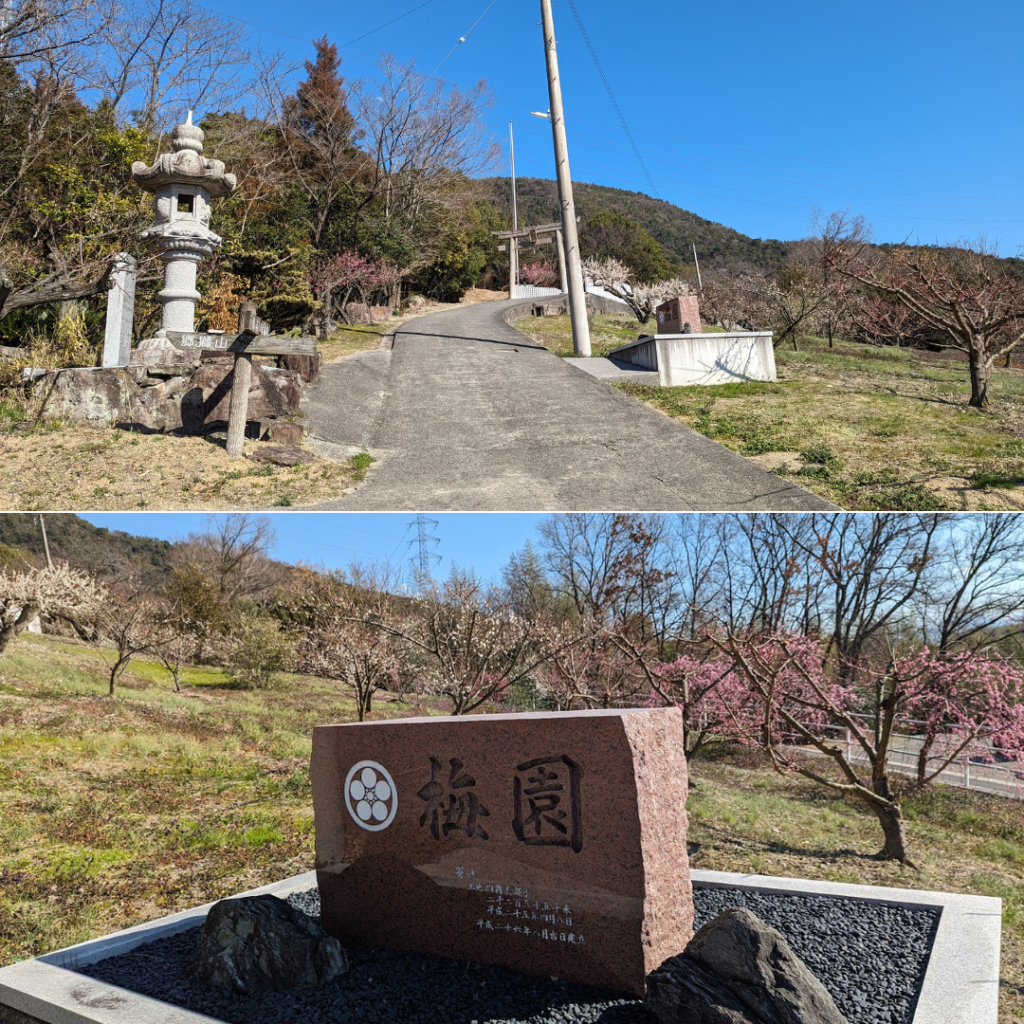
(479, 541)
(750, 114)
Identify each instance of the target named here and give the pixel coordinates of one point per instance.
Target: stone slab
(960, 984)
(549, 843)
(612, 370)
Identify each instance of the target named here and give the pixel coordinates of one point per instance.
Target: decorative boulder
(262, 943)
(738, 970)
(358, 313)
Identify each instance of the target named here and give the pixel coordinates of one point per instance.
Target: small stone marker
(549, 843)
(675, 314)
(117, 339)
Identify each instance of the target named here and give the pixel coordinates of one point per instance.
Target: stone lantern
(184, 182)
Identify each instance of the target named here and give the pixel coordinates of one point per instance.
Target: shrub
(257, 650)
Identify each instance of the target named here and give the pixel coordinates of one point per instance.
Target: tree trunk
(890, 817)
(12, 629)
(981, 370)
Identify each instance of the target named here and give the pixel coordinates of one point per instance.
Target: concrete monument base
(961, 982)
(707, 358)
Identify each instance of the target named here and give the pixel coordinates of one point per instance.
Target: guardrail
(969, 770)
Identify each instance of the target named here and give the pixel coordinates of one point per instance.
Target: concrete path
(464, 413)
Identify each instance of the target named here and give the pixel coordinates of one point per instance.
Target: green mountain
(87, 547)
(675, 228)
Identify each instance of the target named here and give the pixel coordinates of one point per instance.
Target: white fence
(978, 767)
(532, 291)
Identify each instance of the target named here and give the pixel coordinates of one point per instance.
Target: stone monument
(549, 843)
(117, 340)
(680, 315)
(183, 182)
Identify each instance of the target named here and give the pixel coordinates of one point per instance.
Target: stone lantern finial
(183, 183)
(188, 136)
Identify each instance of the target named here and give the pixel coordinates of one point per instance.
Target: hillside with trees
(770, 631)
(92, 549)
(674, 228)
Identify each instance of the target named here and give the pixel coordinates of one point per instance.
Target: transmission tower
(423, 557)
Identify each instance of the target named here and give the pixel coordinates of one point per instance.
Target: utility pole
(46, 543)
(577, 296)
(700, 287)
(513, 247)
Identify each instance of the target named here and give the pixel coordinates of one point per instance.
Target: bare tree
(736, 299)
(48, 30)
(886, 322)
(161, 57)
(131, 623)
(422, 138)
(968, 298)
(348, 625)
(232, 553)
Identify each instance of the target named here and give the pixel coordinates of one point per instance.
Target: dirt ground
(67, 469)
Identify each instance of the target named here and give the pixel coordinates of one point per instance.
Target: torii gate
(528, 238)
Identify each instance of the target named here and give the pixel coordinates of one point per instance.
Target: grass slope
(868, 428)
(116, 811)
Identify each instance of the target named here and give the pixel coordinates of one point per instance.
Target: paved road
(464, 413)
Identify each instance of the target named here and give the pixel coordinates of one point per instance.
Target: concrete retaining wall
(558, 305)
(712, 358)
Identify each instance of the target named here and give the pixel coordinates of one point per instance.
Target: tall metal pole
(700, 286)
(513, 243)
(577, 296)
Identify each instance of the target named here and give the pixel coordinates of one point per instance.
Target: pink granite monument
(549, 843)
(673, 315)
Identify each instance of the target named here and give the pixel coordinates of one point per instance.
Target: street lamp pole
(513, 244)
(577, 296)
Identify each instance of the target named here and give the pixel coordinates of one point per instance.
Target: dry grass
(607, 331)
(867, 428)
(746, 818)
(119, 810)
(71, 468)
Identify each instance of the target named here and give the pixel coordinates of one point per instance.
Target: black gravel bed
(870, 956)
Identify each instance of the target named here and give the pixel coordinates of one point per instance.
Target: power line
(412, 10)
(423, 558)
(718, 167)
(758, 152)
(611, 95)
(462, 39)
(755, 202)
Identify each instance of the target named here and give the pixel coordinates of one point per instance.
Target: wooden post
(238, 409)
